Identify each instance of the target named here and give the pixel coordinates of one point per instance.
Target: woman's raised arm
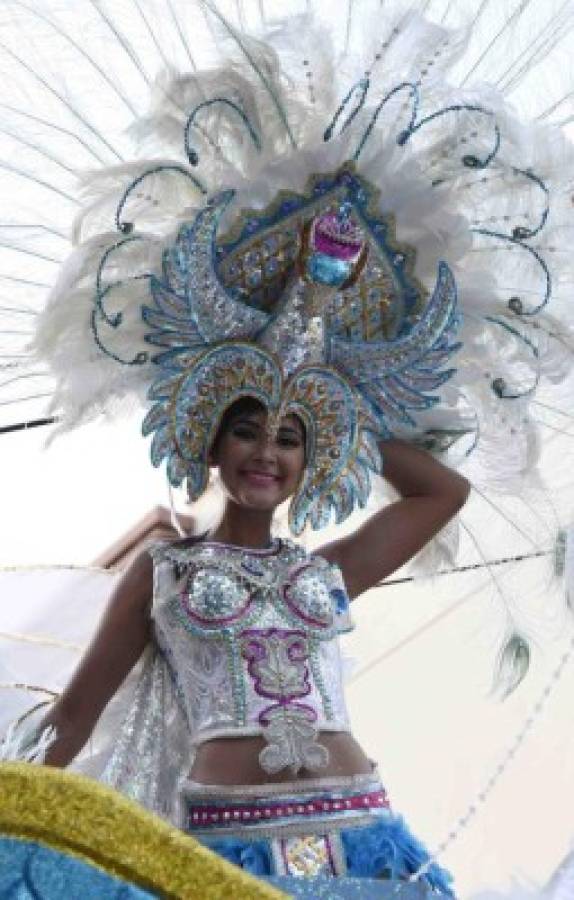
(431, 494)
(118, 643)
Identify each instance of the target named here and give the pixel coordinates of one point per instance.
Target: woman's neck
(243, 527)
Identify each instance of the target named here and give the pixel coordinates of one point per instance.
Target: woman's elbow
(460, 493)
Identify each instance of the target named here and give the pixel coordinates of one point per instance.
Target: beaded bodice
(250, 638)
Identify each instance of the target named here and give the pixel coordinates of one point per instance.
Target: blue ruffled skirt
(341, 828)
(385, 849)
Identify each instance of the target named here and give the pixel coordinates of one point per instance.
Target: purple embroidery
(277, 663)
(276, 658)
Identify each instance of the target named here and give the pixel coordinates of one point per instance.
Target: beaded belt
(299, 821)
(287, 808)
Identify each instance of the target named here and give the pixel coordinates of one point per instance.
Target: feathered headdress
(302, 248)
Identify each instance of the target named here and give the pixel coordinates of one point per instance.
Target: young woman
(348, 179)
(238, 770)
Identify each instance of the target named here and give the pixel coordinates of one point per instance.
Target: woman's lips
(260, 479)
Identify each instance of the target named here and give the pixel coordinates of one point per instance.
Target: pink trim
(209, 814)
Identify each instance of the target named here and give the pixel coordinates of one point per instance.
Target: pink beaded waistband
(205, 815)
(332, 803)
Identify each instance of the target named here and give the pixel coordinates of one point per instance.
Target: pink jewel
(336, 806)
(347, 803)
(195, 817)
(226, 815)
(325, 806)
(310, 807)
(214, 817)
(257, 814)
(300, 809)
(236, 815)
(267, 812)
(289, 810)
(337, 236)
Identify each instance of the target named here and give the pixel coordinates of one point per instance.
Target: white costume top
(250, 641)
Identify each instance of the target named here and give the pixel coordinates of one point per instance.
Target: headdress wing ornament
(348, 393)
(189, 272)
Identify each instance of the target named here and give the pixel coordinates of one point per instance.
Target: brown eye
(244, 432)
(288, 440)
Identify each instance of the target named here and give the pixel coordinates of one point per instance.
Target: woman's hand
(431, 494)
(119, 642)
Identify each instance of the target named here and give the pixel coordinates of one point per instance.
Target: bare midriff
(235, 760)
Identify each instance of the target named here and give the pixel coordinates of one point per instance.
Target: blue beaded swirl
(515, 303)
(99, 311)
(499, 385)
(116, 320)
(252, 61)
(415, 97)
(192, 154)
(520, 232)
(363, 86)
(127, 227)
(469, 160)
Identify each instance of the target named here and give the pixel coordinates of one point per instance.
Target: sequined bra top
(250, 639)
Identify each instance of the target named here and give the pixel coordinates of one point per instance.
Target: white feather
(288, 80)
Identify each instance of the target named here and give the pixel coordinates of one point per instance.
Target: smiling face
(259, 471)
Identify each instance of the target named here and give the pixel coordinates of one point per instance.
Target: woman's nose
(266, 448)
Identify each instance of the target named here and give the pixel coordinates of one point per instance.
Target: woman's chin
(263, 499)
(261, 492)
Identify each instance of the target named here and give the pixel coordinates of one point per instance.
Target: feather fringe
(26, 744)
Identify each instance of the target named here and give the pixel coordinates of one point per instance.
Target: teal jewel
(328, 270)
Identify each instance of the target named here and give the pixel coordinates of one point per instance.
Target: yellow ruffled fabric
(93, 823)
